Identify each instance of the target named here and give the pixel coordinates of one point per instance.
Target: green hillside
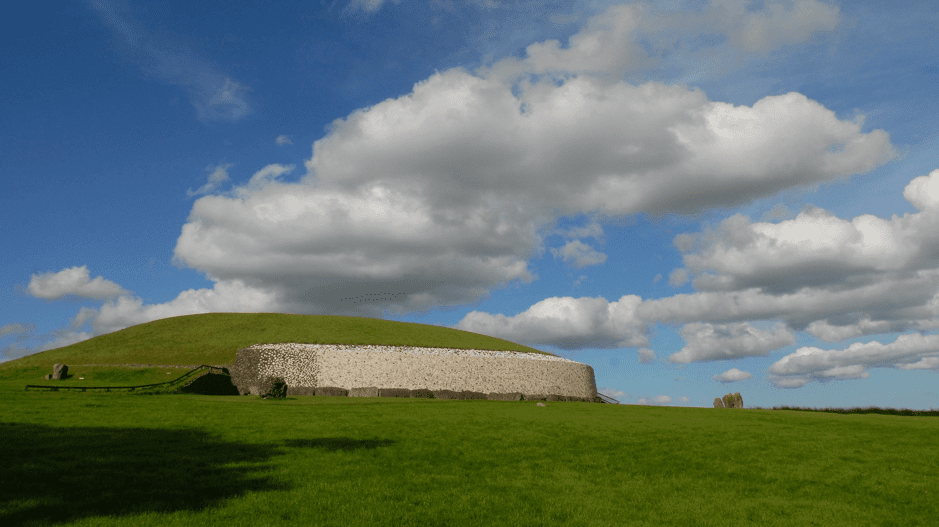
(214, 338)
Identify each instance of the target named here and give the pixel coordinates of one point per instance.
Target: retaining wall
(307, 366)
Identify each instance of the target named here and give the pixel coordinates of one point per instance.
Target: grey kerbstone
(394, 392)
(371, 391)
(331, 391)
(535, 397)
(515, 396)
(446, 394)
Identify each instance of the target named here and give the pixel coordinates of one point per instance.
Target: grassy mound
(214, 338)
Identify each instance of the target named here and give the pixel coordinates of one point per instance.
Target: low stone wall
(307, 366)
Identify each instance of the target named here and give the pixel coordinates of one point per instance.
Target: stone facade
(307, 366)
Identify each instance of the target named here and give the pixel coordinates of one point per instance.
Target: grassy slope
(214, 338)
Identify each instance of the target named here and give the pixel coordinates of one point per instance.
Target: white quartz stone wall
(345, 366)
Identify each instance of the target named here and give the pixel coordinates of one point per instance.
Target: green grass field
(73, 458)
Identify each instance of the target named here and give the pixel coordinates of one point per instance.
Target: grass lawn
(96, 459)
(116, 459)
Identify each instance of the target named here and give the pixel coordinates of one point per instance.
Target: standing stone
(59, 372)
(731, 400)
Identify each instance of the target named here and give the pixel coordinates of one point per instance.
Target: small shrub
(422, 393)
(467, 394)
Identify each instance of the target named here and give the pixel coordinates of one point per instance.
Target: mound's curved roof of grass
(215, 338)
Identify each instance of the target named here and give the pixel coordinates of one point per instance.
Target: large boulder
(59, 372)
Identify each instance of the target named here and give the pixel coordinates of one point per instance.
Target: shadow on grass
(333, 444)
(57, 475)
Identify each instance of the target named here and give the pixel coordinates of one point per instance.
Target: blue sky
(694, 199)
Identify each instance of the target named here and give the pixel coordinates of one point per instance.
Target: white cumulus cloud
(729, 341)
(732, 375)
(567, 323)
(910, 351)
(579, 254)
(436, 197)
(72, 281)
